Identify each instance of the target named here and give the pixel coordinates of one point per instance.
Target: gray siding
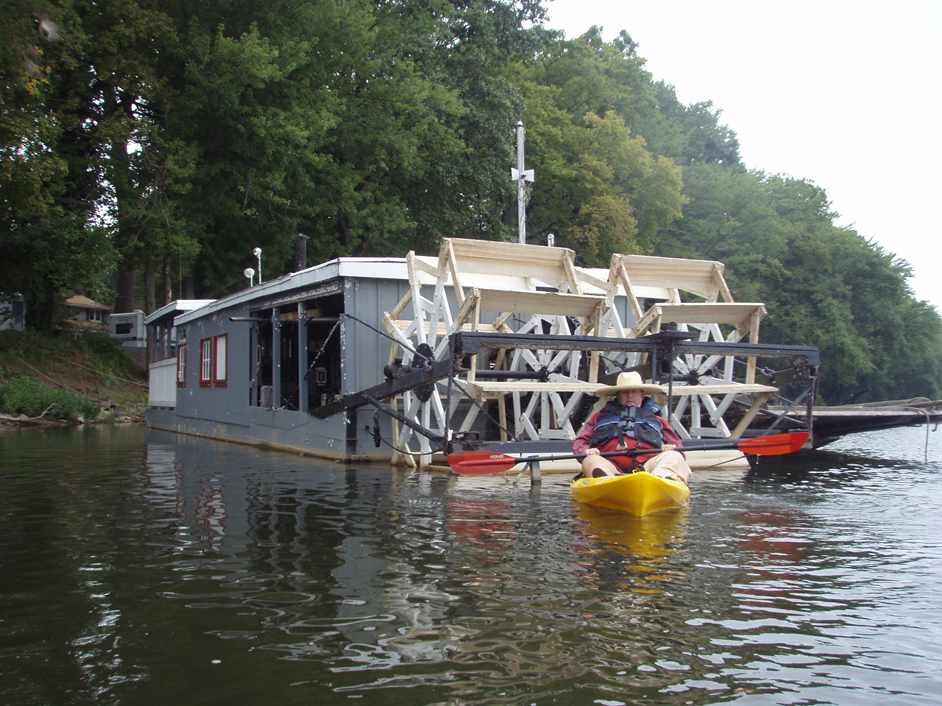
(225, 412)
(365, 352)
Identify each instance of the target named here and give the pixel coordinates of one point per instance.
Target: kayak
(636, 493)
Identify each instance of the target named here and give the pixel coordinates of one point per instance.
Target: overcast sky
(846, 94)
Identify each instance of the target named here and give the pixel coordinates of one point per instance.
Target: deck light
(258, 254)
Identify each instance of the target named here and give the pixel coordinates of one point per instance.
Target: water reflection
(159, 569)
(631, 553)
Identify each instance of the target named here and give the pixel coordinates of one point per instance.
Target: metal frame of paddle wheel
(538, 394)
(662, 350)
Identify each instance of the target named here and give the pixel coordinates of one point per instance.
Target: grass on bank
(67, 376)
(23, 395)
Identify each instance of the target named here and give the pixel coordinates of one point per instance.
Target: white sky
(846, 94)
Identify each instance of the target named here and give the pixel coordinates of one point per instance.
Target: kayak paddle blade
(480, 463)
(774, 444)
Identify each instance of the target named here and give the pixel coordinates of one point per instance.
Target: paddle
(483, 463)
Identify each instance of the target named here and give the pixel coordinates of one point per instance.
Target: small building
(128, 329)
(84, 314)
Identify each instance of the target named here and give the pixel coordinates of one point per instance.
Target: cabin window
(181, 365)
(206, 361)
(123, 329)
(220, 353)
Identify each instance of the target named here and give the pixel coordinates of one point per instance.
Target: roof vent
(300, 252)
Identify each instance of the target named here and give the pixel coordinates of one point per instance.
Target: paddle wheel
(692, 296)
(503, 288)
(537, 292)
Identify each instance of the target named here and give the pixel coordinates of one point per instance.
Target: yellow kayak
(635, 493)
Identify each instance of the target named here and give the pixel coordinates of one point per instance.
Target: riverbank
(63, 379)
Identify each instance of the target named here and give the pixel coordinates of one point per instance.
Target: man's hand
(668, 447)
(591, 452)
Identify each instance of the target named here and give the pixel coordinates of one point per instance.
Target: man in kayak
(630, 420)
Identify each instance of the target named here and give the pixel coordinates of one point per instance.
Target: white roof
(177, 305)
(365, 267)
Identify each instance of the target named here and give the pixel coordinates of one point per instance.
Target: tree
(47, 187)
(824, 285)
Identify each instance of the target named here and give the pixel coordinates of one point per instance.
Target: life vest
(632, 426)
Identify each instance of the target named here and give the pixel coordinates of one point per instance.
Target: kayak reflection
(631, 552)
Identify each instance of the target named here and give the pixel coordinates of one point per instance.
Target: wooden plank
(643, 323)
(739, 314)
(503, 250)
(475, 323)
(594, 356)
(421, 266)
(441, 310)
(590, 279)
(466, 309)
(453, 268)
(400, 336)
(502, 387)
(418, 311)
(396, 310)
(508, 259)
(753, 338)
(716, 417)
(744, 423)
(694, 276)
(571, 274)
(580, 305)
(721, 282)
(720, 389)
(629, 289)
(444, 329)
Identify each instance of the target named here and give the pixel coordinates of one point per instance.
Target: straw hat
(630, 381)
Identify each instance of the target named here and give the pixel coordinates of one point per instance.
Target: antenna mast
(521, 175)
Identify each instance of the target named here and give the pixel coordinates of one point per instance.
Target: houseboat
(489, 345)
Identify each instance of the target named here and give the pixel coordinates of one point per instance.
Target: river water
(143, 568)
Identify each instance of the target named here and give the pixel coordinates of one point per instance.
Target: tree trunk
(166, 293)
(120, 175)
(150, 286)
(127, 283)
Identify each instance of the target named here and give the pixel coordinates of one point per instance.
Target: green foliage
(823, 285)
(169, 138)
(96, 350)
(24, 395)
(604, 191)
